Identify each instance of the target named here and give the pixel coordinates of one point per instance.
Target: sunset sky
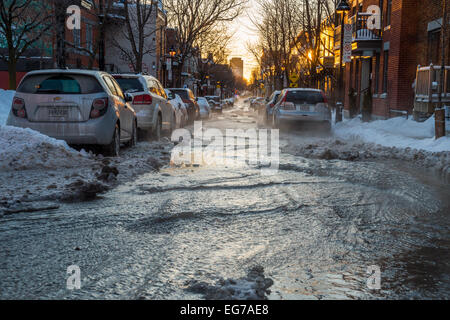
(244, 33)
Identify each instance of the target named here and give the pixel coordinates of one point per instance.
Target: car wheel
(134, 136)
(113, 149)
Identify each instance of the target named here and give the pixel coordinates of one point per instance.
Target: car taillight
(143, 99)
(99, 107)
(325, 100)
(18, 108)
(287, 106)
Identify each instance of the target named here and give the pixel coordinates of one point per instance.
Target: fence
(427, 89)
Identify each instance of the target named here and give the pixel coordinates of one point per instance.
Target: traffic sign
(294, 77)
(293, 85)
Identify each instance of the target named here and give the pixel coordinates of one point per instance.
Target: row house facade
(384, 61)
(85, 48)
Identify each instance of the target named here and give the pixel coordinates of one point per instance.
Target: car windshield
(60, 84)
(182, 93)
(304, 96)
(130, 84)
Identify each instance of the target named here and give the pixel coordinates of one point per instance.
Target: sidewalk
(396, 132)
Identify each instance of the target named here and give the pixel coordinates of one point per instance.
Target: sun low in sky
(244, 32)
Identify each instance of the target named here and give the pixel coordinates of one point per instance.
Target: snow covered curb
(22, 149)
(395, 132)
(356, 150)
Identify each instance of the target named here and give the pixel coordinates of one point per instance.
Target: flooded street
(315, 227)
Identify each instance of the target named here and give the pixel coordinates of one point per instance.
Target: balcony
(364, 40)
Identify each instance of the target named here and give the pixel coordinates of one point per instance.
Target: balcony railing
(360, 30)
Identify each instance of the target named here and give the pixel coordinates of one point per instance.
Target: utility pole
(439, 113)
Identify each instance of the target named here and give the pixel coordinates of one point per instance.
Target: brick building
(384, 62)
(60, 46)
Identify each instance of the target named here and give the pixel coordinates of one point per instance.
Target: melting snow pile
(29, 149)
(396, 132)
(6, 97)
(253, 287)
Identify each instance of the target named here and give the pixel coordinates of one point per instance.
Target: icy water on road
(315, 227)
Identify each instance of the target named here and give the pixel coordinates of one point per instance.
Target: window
(434, 45)
(303, 96)
(117, 87)
(76, 38)
(89, 36)
(110, 85)
(60, 84)
(130, 84)
(388, 13)
(385, 70)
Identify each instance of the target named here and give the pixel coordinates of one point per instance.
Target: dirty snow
(395, 132)
(255, 286)
(22, 149)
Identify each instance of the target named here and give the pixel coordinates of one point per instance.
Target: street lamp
(342, 8)
(172, 54)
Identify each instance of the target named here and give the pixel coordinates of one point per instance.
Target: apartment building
(384, 61)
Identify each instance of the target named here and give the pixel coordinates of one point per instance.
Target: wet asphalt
(315, 226)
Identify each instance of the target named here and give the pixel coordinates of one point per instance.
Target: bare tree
(195, 19)
(22, 24)
(137, 29)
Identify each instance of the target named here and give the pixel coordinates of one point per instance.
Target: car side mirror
(128, 97)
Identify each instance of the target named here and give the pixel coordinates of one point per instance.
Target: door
(366, 67)
(119, 102)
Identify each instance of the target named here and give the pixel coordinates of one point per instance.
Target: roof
(68, 71)
(133, 75)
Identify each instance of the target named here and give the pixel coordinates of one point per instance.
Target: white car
(180, 107)
(153, 110)
(205, 109)
(78, 106)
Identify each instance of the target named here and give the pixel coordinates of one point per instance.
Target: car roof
(303, 89)
(68, 71)
(133, 75)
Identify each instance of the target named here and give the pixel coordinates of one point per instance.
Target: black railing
(360, 29)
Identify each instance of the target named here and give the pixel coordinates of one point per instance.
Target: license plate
(304, 108)
(59, 112)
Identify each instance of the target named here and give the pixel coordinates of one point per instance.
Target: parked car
(257, 103)
(153, 109)
(180, 107)
(271, 101)
(302, 105)
(189, 99)
(79, 106)
(215, 106)
(205, 109)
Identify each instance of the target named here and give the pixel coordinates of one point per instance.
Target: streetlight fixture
(342, 8)
(172, 53)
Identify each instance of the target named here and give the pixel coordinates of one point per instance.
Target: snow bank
(396, 132)
(29, 149)
(6, 97)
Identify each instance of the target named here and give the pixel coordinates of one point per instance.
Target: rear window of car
(60, 84)
(130, 85)
(182, 93)
(304, 96)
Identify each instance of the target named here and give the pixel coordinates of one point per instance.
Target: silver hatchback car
(78, 106)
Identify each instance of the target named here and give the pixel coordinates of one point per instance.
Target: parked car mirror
(128, 97)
